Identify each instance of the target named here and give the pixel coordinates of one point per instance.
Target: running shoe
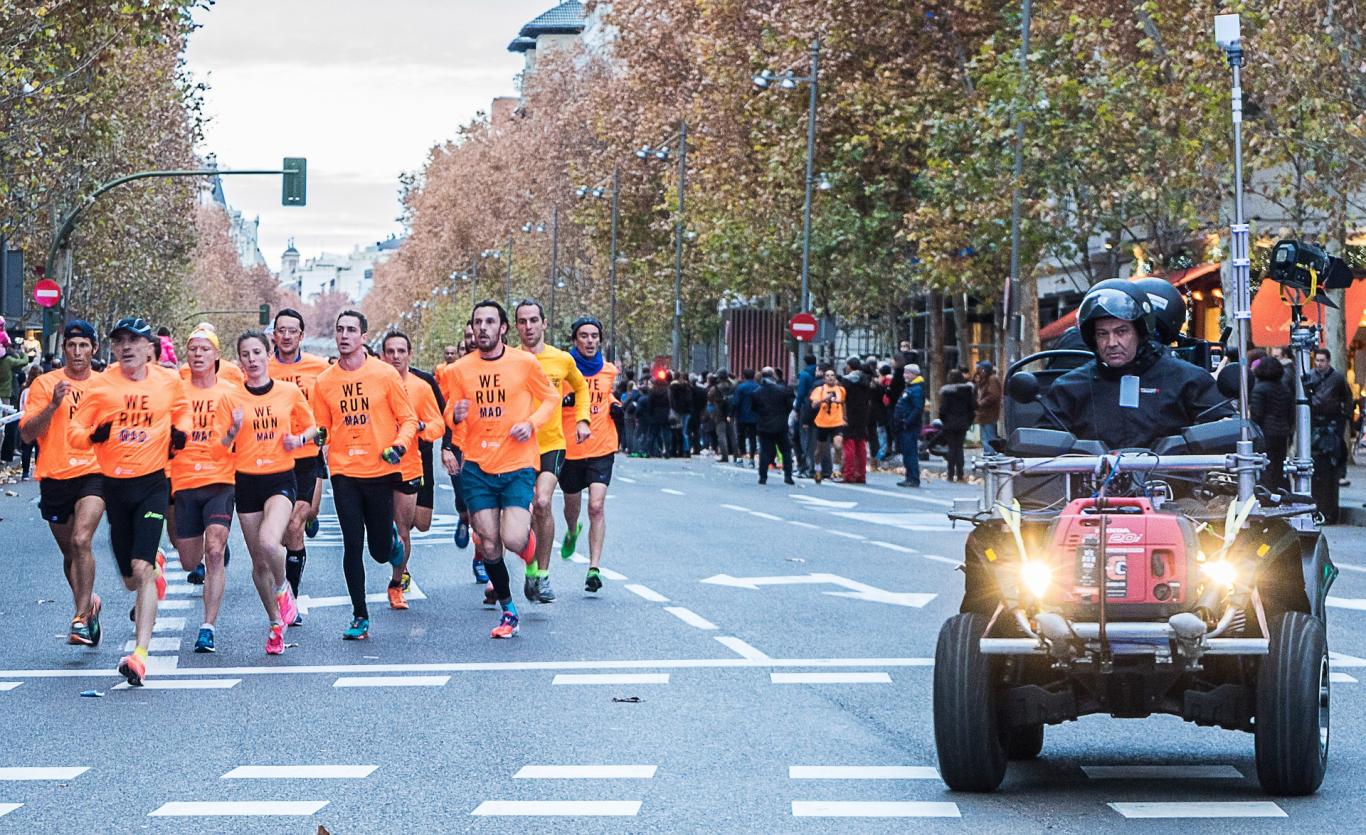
(506, 628)
(288, 609)
(311, 527)
(275, 641)
(196, 577)
(204, 643)
(462, 534)
(396, 555)
(133, 669)
(80, 633)
(406, 580)
(528, 553)
(93, 620)
(529, 590)
(571, 541)
(594, 580)
(396, 600)
(358, 631)
(543, 591)
(161, 575)
(298, 620)
(481, 574)
(490, 596)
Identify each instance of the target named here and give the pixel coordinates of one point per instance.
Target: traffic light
(265, 315)
(294, 183)
(659, 369)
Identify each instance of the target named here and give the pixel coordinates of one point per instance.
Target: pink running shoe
(275, 641)
(288, 609)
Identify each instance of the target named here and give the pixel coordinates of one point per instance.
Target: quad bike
(1134, 582)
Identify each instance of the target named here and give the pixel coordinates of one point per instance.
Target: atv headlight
(1219, 572)
(1036, 576)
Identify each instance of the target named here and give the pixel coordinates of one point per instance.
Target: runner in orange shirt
(451, 459)
(202, 478)
(275, 421)
(397, 350)
(132, 417)
(289, 362)
(498, 398)
(367, 423)
(588, 461)
(828, 400)
(70, 494)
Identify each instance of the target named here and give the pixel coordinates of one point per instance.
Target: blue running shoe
(481, 574)
(358, 631)
(396, 555)
(462, 534)
(204, 643)
(196, 577)
(311, 527)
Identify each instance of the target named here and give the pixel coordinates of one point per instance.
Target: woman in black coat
(1273, 410)
(957, 406)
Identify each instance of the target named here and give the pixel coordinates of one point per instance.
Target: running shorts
(552, 462)
(136, 510)
(426, 494)
(253, 489)
(305, 478)
(57, 497)
(581, 472)
(825, 434)
(484, 491)
(322, 468)
(411, 487)
(200, 507)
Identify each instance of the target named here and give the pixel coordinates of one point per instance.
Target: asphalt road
(687, 696)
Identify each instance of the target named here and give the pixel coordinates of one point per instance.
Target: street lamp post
(596, 193)
(662, 154)
(1014, 326)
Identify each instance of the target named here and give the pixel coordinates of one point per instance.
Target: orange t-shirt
(228, 372)
(501, 392)
(423, 401)
(604, 439)
(205, 460)
(56, 457)
(364, 411)
(141, 414)
(828, 415)
(266, 420)
(304, 374)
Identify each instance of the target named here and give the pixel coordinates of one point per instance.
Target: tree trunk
(935, 361)
(1029, 313)
(961, 330)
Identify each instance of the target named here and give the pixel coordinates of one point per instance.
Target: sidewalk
(1352, 499)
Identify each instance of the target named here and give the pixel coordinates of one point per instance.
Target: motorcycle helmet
(1115, 299)
(1169, 307)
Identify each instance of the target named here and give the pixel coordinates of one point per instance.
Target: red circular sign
(802, 327)
(46, 293)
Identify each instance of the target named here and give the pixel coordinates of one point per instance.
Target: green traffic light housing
(294, 183)
(264, 318)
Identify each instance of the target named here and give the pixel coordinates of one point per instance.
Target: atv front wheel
(967, 731)
(1292, 707)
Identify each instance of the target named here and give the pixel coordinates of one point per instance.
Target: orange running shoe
(161, 575)
(79, 633)
(133, 669)
(396, 600)
(528, 554)
(275, 641)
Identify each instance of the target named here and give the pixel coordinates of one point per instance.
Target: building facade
(352, 274)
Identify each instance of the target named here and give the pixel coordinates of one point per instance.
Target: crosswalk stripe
(174, 605)
(690, 617)
(862, 772)
(611, 678)
(299, 772)
(743, 649)
(156, 645)
(585, 772)
(1201, 809)
(391, 681)
(873, 809)
(830, 678)
(183, 684)
(1162, 772)
(169, 625)
(236, 808)
(548, 808)
(41, 773)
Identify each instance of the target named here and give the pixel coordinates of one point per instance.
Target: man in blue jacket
(906, 419)
(805, 440)
(746, 420)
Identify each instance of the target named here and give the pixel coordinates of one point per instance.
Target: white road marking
(307, 602)
(802, 524)
(1357, 603)
(163, 664)
(768, 516)
(610, 574)
(391, 681)
(579, 558)
(585, 772)
(1342, 659)
(1203, 809)
(873, 809)
(1341, 678)
(1350, 567)
(743, 649)
(672, 492)
(238, 808)
(299, 772)
(1162, 772)
(862, 772)
(9, 685)
(736, 507)
(169, 625)
(945, 560)
(182, 684)
(812, 500)
(180, 588)
(175, 605)
(446, 487)
(830, 678)
(558, 808)
(611, 678)
(916, 522)
(157, 645)
(31, 773)
(646, 592)
(689, 617)
(845, 534)
(857, 590)
(625, 479)
(892, 546)
(904, 495)
(6, 808)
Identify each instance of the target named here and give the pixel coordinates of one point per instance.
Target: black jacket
(658, 405)
(1272, 406)
(773, 403)
(858, 395)
(957, 406)
(1173, 394)
(1329, 397)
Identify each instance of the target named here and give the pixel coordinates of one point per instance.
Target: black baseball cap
(136, 325)
(77, 328)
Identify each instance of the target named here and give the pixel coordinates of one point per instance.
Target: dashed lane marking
(174, 605)
(672, 492)
(890, 546)
(830, 678)
(610, 574)
(6, 808)
(736, 507)
(646, 592)
(42, 773)
(182, 684)
(741, 648)
(558, 808)
(690, 617)
(1341, 678)
(768, 516)
(802, 524)
(1201, 809)
(300, 772)
(905, 495)
(1162, 772)
(862, 772)
(1356, 603)
(1350, 567)
(9, 685)
(845, 534)
(169, 625)
(611, 678)
(873, 809)
(945, 560)
(625, 479)
(391, 681)
(585, 772)
(238, 808)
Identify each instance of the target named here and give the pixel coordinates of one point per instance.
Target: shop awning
(1180, 278)
(1271, 315)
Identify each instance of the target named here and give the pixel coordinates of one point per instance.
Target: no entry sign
(46, 293)
(802, 327)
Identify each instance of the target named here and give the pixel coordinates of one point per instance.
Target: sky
(362, 89)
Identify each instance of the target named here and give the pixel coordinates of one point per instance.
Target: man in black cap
(70, 488)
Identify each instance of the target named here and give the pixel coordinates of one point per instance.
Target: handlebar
(1053, 353)
(1125, 462)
